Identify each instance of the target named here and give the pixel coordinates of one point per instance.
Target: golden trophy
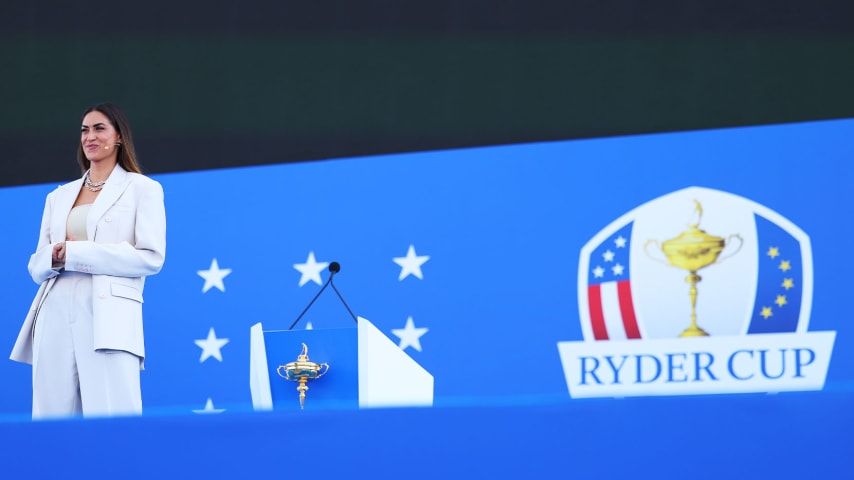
(693, 250)
(302, 370)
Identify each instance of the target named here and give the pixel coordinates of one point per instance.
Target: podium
(366, 369)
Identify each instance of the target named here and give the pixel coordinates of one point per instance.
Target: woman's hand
(59, 253)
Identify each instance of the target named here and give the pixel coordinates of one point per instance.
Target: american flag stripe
(597, 319)
(611, 310)
(627, 309)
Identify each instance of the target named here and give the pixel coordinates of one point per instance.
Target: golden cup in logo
(302, 370)
(693, 250)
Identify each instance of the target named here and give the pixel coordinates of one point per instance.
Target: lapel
(66, 195)
(116, 184)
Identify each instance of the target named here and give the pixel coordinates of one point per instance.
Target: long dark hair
(127, 154)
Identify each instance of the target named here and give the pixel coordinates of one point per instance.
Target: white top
(76, 227)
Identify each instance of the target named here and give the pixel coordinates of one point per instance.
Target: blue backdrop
(492, 237)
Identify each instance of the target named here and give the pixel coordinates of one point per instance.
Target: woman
(101, 235)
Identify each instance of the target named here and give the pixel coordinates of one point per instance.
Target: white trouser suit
(83, 333)
(69, 375)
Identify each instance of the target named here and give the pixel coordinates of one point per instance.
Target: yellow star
(766, 312)
(788, 283)
(785, 265)
(773, 252)
(781, 300)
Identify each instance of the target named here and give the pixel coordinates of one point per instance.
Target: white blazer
(126, 230)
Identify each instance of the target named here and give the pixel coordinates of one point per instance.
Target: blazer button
(108, 219)
(103, 295)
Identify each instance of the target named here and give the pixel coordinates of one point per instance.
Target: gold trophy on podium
(302, 370)
(693, 250)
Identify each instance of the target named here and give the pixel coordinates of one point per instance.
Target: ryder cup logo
(698, 291)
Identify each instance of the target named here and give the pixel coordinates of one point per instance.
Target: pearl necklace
(93, 186)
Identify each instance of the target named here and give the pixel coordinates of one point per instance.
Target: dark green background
(213, 85)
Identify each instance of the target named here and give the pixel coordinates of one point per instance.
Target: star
(409, 335)
(598, 272)
(209, 408)
(781, 300)
(213, 276)
(788, 283)
(310, 270)
(210, 346)
(773, 252)
(617, 269)
(785, 265)
(620, 242)
(608, 256)
(411, 264)
(766, 312)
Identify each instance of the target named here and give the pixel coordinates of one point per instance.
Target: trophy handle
(279, 371)
(728, 241)
(646, 251)
(324, 372)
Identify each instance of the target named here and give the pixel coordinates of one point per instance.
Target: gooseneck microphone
(334, 268)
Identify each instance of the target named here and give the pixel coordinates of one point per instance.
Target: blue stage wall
(781, 436)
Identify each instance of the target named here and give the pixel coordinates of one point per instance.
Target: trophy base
(694, 331)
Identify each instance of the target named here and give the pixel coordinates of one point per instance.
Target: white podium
(366, 369)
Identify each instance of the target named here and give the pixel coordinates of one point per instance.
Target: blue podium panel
(338, 347)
